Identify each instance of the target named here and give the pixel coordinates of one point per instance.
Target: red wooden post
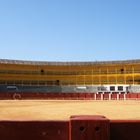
(89, 128)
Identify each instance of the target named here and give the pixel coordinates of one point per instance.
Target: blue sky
(70, 30)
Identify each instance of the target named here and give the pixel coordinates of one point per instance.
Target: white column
(124, 96)
(95, 96)
(109, 96)
(118, 96)
(102, 96)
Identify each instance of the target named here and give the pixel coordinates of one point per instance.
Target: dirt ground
(59, 110)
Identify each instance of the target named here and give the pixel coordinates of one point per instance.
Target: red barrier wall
(85, 127)
(93, 96)
(82, 96)
(133, 96)
(138, 96)
(68, 96)
(4, 95)
(124, 129)
(74, 96)
(127, 96)
(34, 130)
(88, 96)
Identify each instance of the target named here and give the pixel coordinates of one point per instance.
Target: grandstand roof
(23, 62)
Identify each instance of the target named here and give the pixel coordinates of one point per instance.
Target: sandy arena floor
(49, 110)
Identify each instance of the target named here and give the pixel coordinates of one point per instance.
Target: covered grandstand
(69, 77)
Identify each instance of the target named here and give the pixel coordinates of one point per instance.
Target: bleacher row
(54, 89)
(69, 96)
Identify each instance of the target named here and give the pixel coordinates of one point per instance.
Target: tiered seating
(134, 89)
(79, 89)
(53, 89)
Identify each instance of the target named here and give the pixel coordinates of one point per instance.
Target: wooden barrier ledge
(85, 127)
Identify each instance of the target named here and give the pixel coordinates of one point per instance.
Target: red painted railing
(77, 128)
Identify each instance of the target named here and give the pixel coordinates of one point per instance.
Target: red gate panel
(121, 96)
(114, 96)
(106, 96)
(98, 96)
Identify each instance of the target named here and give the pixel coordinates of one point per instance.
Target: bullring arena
(63, 109)
(46, 94)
